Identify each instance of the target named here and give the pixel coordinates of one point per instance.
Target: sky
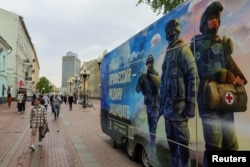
(84, 27)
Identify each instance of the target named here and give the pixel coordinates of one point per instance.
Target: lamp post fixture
(43, 90)
(76, 82)
(69, 83)
(84, 75)
(80, 92)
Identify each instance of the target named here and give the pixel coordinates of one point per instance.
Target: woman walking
(9, 99)
(56, 105)
(38, 117)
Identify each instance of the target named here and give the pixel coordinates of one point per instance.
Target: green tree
(162, 6)
(43, 83)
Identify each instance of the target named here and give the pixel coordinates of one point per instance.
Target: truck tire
(144, 158)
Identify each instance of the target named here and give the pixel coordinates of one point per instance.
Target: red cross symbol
(229, 98)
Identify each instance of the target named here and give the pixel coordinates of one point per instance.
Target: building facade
(94, 80)
(70, 66)
(20, 64)
(5, 50)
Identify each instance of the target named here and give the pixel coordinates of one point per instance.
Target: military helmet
(173, 24)
(214, 8)
(150, 59)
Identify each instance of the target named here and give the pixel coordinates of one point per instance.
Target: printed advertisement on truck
(176, 92)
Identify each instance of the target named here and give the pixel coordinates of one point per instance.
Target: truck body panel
(123, 112)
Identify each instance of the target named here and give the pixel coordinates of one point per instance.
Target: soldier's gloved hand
(230, 77)
(190, 110)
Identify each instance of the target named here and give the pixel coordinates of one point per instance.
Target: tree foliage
(162, 6)
(43, 83)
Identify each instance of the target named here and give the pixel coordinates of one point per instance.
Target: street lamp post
(76, 82)
(43, 90)
(84, 74)
(70, 83)
(79, 93)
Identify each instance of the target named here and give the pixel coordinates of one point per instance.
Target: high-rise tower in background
(70, 65)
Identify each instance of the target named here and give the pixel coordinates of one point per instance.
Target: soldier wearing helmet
(172, 30)
(151, 96)
(212, 55)
(178, 89)
(213, 11)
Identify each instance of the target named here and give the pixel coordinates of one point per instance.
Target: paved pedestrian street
(74, 140)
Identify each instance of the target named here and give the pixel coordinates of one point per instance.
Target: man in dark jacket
(70, 100)
(178, 90)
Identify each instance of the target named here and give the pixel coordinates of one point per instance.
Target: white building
(5, 50)
(22, 63)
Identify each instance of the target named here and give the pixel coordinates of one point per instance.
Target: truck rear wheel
(144, 158)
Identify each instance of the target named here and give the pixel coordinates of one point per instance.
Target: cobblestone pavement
(74, 140)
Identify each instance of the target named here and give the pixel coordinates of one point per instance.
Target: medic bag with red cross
(225, 97)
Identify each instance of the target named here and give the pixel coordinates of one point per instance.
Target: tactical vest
(213, 50)
(175, 86)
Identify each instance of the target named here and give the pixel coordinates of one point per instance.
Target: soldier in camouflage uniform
(151, 100)
(178, 90)
(211, 54)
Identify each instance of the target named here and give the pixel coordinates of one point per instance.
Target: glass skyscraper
(70, 65)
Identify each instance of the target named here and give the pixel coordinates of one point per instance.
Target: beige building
(22, 63)
(91, 87)
(94, 80)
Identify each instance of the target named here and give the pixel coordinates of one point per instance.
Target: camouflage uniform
(211, 54)
(151, 98)
(178, 89)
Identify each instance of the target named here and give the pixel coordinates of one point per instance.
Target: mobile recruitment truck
(123, 112)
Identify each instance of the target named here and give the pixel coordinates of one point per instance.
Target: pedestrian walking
(51, 103)
(9, 99)
(70, 100)
(24, 101)
(56, 105)
(19, 102)
(33, 99)
(38, 117)
(46, 101)
(65, 98)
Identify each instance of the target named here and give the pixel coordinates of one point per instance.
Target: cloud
(83, 27)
